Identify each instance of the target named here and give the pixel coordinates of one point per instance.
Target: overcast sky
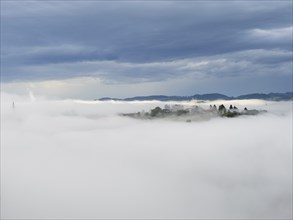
(90, 49)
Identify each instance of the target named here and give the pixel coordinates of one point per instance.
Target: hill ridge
(208, 96)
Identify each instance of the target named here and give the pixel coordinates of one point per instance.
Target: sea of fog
(80, 159)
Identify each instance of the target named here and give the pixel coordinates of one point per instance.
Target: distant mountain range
(211, 96)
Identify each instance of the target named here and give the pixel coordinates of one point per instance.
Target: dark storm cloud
(46, 34)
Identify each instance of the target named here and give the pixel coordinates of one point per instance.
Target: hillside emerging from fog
(210, 97)
(193, 113)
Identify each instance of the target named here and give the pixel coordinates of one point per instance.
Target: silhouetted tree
(156, 111)
(222, 109)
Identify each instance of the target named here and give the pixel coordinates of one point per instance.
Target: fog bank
(80, 159)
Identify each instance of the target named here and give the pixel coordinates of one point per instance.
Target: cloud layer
(77, 159)
(136, 42)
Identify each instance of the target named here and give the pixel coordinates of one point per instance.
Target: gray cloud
(144, 41)
(244, 63)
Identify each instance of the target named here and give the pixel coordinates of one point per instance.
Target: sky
(93, 49)
(87, 162)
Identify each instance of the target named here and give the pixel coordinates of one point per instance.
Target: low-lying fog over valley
(146, 109)
(83, 159)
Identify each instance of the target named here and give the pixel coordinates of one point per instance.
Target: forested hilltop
(193, 113)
